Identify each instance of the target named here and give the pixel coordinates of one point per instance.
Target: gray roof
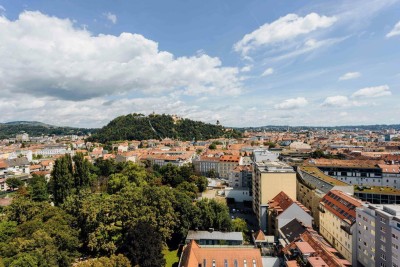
(293, 230)
(215, 235)
(17, 162)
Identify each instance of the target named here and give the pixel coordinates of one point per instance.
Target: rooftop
(376, 190)
(314, 171)
(273, 166)
(214, 235)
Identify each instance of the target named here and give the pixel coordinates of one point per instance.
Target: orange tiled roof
(193, 255)
(341, 204)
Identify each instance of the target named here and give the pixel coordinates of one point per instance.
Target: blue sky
(244, 63)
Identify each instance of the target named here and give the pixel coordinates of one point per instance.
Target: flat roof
(214, 235)
(376, 190)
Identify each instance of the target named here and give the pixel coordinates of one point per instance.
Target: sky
(243, 63)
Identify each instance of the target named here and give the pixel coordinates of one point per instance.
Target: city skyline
(245, 64)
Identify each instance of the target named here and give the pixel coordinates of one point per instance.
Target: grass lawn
(171, 257)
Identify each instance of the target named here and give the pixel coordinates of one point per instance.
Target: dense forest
(106, 214)
(9, 130)
(140, 127)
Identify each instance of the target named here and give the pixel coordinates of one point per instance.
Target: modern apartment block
(269, 179)
(378, 232)
(360, 172)
(313, 185)
(337, 222)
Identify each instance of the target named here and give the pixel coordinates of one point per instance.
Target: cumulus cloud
(292, 103)
(371, 92)
(349, 76)
(246, 68)
(395, 31)
(111, 17)
(282, 29)
(340, 101)
(336, 101)
(267, 72)
(66, 62)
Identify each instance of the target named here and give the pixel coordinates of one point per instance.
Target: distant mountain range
(140, 127)
(35, 128)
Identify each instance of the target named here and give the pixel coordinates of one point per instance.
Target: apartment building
(269, 179)
(313, 185)
(227, 164)
(360, 172)
(378, 232)
(337, 222)
(204, 165)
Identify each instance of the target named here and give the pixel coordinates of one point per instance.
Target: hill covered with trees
(34, 128)
(140, 127)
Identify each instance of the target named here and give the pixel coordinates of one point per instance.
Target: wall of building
(329, 226)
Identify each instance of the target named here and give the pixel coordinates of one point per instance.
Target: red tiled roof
(193, 255)
(341, 204)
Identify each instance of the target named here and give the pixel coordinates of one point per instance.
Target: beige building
(227, 164)
(337, 222)
(269, 179)
(313, 185)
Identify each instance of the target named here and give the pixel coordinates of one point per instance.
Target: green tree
(37, 188)
(201, 183)
(62, 179)
(239, 225)
(14, 183)
(213, 214)
(81, 171)
(116, 182)
(113, 261)
(170, 175)
(143, 245)
(189, 188)
(212, 146)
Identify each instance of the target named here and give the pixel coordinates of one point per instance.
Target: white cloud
(292, 103)
(282, 29)
(349, 76)
(336, 101)
(371, 92)
(246, 68)
(395, 31)
(67, 62)
(341, 101)
(111, 17)
(267, 72)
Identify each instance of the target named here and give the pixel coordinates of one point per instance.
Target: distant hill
(140, 127)
(35, 128)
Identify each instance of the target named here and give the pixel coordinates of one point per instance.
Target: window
(383, 257)
(225, 263)
(235, 263)
(254, 263)
(245, 263)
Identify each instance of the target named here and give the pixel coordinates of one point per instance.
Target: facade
(269, 179)
(313, 185)
(378, 233)
(337, 222)
(241, 177)
(227, 164)
(204, 165)
(360, 172)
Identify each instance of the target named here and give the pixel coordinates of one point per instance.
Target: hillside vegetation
(10, 129)
(140, 127)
